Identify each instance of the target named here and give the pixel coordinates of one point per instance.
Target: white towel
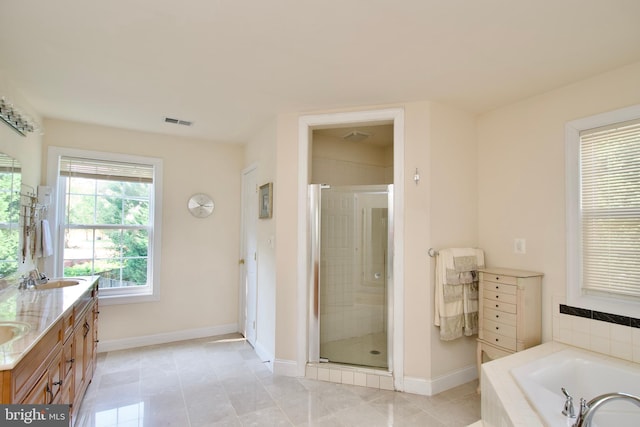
(456, 291)
(44, 246)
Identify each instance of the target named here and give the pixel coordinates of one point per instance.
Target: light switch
(520, 246)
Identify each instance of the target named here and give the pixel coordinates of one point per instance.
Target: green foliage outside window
(117, 243)
(9, 222)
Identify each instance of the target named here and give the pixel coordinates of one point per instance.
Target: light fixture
(356, 136)
(16, 120)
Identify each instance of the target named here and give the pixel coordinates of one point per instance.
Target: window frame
(53, 264)
(574, 293)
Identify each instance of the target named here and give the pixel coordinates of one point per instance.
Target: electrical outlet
(519, 246)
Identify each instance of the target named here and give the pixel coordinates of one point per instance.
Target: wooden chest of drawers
(509, 312)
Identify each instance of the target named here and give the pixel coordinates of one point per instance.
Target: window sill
(127, 299)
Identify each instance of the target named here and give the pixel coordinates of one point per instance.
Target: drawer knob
(497, 287)
(497, 340)
(497, 277)
(497, 305)
(497, 296)
(497, 316)
(497, 328)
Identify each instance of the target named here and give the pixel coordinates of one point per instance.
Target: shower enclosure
(351, 229)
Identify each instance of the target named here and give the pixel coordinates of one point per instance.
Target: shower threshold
(364, 376)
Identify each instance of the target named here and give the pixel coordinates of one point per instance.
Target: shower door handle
(377, 275)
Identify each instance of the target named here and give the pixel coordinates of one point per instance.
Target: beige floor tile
(220, 381)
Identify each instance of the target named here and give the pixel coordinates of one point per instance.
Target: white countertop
(40, 309)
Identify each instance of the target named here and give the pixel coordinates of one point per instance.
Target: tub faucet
(568, 410)
(587, 409)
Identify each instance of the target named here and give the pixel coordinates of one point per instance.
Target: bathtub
(582, 374)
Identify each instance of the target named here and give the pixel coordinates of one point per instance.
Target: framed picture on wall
(265, 198)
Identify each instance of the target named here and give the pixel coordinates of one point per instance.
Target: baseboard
(287, 368)
(440, 384)
(189, 334)
(264, 355)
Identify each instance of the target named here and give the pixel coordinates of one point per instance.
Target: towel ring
(432, 252)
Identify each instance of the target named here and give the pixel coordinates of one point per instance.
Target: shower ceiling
(378, 135)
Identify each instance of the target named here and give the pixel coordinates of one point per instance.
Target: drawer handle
(73, 360)
(57, 383)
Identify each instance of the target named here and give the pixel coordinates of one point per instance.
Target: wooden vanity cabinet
(59, 368)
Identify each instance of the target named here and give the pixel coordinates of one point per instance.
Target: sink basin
(58, 283)
(12, 330)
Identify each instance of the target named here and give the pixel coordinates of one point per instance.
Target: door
(351, 240)
(249, 287)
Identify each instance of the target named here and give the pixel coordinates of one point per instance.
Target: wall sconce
(16, 120)
(416, 177)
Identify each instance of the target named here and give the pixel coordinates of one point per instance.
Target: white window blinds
(105, 169)
(610, 209)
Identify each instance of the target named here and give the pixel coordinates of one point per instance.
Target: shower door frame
(315, 207)
(304, 268)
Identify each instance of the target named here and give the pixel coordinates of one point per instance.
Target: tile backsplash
(610, 334)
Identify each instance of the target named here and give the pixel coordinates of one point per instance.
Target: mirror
(10, 181)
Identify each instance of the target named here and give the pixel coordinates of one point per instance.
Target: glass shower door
(354, 228)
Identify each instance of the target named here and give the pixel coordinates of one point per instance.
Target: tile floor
(220, 381)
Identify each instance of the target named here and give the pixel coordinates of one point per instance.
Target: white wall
(521, 183)
(453, 213)
(199, 266)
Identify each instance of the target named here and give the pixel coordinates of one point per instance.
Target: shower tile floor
(367, 350)
(220, 381)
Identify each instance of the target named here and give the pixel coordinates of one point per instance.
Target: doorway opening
(326, 163)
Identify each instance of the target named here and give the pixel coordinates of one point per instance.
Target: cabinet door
(40, 393)
(78, 356)
(83, 343)
(89, 344)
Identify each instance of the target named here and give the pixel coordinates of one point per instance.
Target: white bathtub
(582, 374)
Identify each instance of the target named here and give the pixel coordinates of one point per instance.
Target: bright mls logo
(34, 415)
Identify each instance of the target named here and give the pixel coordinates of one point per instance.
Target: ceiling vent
(177, 121)
(355, 136)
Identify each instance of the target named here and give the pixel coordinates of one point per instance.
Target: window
(9, 214)
(108, 221)
(603, 212)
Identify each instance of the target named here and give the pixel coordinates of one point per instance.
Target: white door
(249, 288)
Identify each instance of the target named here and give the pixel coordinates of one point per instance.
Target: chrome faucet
(33, 279)
(568, 410)
(587, 409)
(38, 278)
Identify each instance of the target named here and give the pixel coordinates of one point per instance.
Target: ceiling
(230, 66)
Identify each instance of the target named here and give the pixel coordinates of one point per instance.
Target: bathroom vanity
(48, 340)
